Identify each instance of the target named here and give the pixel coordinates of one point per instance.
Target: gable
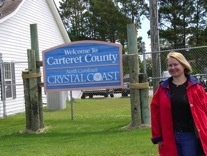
(10, 8)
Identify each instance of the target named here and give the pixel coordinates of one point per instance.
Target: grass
(96, 130)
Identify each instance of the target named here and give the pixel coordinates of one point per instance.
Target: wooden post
(27, 100)
(134, 78)
(144, 97)
(35, 46)
(33, 91)
(154, 43)
(34, 41)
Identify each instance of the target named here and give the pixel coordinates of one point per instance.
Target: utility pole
(154, 43)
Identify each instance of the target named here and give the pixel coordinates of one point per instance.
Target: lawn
(96, 130)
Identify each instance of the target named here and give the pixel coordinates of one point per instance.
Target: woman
(179, 111)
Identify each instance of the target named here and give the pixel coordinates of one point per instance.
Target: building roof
(8, 7)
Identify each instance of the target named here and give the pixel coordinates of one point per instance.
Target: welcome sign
(83, 65)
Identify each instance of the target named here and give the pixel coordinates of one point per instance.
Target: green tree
(174, 19)
(182, 23)
(134, 9)
(73, 15)
(109, 23)
(198, 27)
(102, 20)
(94, 19)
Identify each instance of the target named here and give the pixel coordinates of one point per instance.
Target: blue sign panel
(83, 65)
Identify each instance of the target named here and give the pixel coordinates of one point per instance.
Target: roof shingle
(8, 7)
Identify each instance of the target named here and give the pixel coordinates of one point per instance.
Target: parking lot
(78, 94)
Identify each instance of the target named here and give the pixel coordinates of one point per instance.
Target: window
(9, 79)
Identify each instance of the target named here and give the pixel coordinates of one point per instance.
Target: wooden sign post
(138, 103)
(32, 88)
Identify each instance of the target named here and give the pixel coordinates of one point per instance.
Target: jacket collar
(191, 81)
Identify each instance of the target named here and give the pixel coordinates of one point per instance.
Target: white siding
(15, 40)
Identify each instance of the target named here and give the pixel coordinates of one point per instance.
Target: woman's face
(175, 68)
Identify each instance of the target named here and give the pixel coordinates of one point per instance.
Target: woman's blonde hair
(182, 60)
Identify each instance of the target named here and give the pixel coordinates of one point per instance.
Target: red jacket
(161, 118)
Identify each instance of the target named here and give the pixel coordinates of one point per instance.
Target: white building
(15, 19)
